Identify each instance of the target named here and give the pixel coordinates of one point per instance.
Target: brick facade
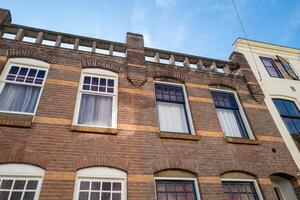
(137, 147)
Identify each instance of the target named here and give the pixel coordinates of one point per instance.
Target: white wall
(274, 87)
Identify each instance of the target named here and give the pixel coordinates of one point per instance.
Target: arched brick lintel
(31, 53)
(27, 158)
(164, 164)
(101, 160)
(100, 64)
(169, 74)
(226, 167)
(222, 84)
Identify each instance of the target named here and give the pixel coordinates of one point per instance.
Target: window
(172, 108)
(271, 67)
(21, 85)
(97, 97)
(290, 114)
(288, 68)
(175, 189)
(20, 181)
(229, 114)
(100, 183)
(283, 187)
(240, 190)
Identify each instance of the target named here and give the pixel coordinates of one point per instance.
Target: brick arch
(182, 164)
(223, 84)
(101, 160)
(27, 158)
(168, 74)
(239, 171)
(102, 64)
(31, 53)
(249, 168)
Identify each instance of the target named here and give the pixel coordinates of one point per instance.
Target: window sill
(90, 129)
(241, 140)
(181, 136)
(16, 120)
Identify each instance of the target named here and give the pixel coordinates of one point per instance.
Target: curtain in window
(95, 110)
(19, 98)
(172, 117)
(229, 122)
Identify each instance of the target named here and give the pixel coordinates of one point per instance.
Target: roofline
(277, 45)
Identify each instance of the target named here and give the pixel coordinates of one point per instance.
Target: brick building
(83, 118)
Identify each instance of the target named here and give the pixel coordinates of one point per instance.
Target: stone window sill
(16, 120)
(112, 131)
(180, 136)
(242, 140)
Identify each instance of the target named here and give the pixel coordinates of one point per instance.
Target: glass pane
(32, 185)
(116, 186)
(171, 196)
(86, 87)
(6, 184)
(110, 90)
(41, 74)
(102, 89)
(95, 195)
(16, 196)
(103, 81)
(110, 83)
(189, 187)
(87, 80)
(19, 184)
(32, 72)
(84, 185)
(14, 70)
(224, 100)
(180, 196)
(105, 196)
(95, 110)
(190, 196)
(273, 72)
(161, 196)
(95, 81)
(29, 196)
(179, 187)
(172, 117)
(297, 125)
(23, 71)
(116, 196)
(160, 187)
(169, 93)
(106, 186)
(83, 196)
(292, 109)
(4, 195)
(290, 125)
(96, 185)
(171, 187)
(280, 107)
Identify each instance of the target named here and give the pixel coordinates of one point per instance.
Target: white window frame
(23, 171)
(28, 63)
(187, 105)
(101, 174)
(179, 179)
(101, 74)
(255, 184)
(241, 110)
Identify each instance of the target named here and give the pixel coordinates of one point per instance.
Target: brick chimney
(136, 65)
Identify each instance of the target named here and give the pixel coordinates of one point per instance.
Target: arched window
(100, 183)
(176, 184)
(239, 186)
(21, 85)
(283, 188)
(96, 104)
(20, 181)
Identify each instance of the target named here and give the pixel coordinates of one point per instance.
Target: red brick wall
(137, 148)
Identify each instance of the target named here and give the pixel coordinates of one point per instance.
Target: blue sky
(200, 27)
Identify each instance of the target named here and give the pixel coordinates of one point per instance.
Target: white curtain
(19, 98)
(172, 117)
(229, 123)
(95, 110)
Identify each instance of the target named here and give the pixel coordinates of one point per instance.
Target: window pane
(106, 186)
(95, 195)
(288, 68)
(185, 190)
(19, 184)
(4, 195)
(14, 70)
(224, 100)
(169, 93)
(240, 190)
(87, 80)
(84, 185)
(281, 107)
(29, 196)
(271, 67)
(6, 184)
(83, 196)
(105, 196)
(16, 196)
(95, 110)
(19, 98)
(292, 109)
(32, 185)
(172, 117)
(116, 196)
(116, 186)
(230, 123)
(96, 185)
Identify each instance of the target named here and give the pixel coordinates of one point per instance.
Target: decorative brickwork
(31, 53)
(102, 64)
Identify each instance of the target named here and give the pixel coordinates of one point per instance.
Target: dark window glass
(41, 74)
(169, 93)
(240, 190)
(14, 70)
(271, 67)
(173, 189)
(290, 114)
(229, 114)
(87, 80)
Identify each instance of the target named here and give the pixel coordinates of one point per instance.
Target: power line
(245, 35)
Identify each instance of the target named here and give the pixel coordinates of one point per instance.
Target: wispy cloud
(138, 22)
